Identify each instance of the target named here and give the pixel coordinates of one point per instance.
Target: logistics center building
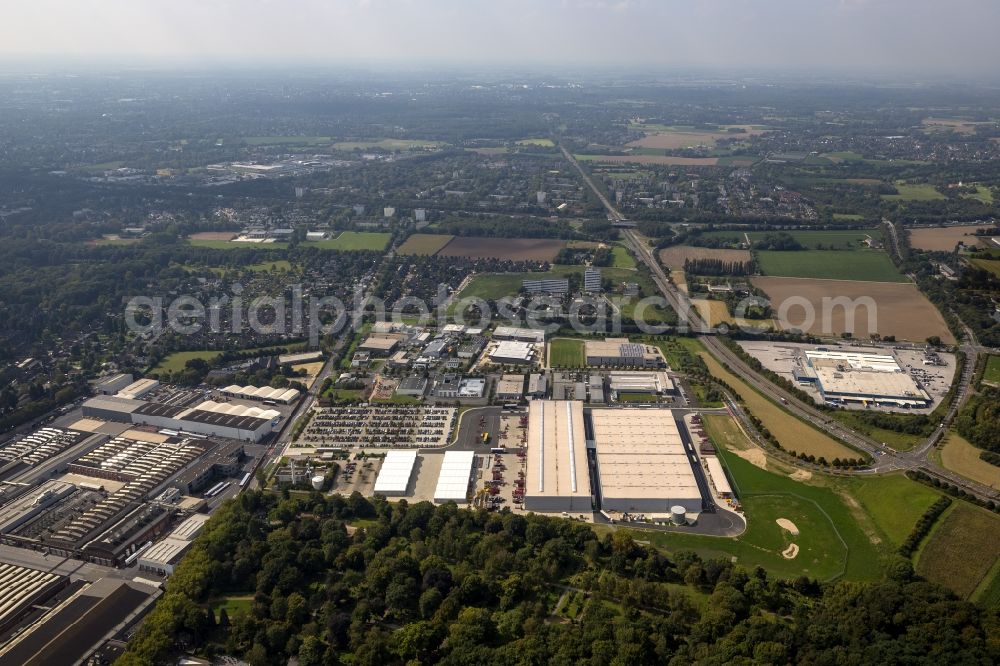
(642, 464)
(557, 477)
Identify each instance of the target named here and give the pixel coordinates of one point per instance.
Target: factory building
(231, 421)
(518, 333)
(284, 396)
(858, 377)
(557, 476)
(456, 475)
(512, 352)
(642, 465)
(138, 388)
(396, 472)
(23, 589)
(163, 556)
(657, 383)
(113, 384)
(620, 352)
(510, 387)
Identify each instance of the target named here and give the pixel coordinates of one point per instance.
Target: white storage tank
(317, 481)
(678, 515)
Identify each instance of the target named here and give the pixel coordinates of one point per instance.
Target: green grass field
(231, 245)
(286, 140)
(848, 217)
(894, 502)
(566, 353)
(837, 239)
(831, 543)
(992, 372)
(353, 240)
(424, 244)
(233, 604)
(962, 549)
(988, 592)
(982, 194)
(991, 265)
(868, 265)
(277, 265)
(911, 192)
(622, 257)
(175, 362)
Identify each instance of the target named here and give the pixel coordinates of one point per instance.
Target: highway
(884, 458)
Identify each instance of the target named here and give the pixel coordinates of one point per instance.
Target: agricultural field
(913, 192)
(944, 239)
(566, 353)
(286, 140)
(353, 241)
(901, 309)
(666, 160)
(516, 249)
(991, 265)
(961, 549)
(214, 235)
(961, 457)
(711, 311)
(663, 137)
(675, 256)
(424, 244)
(866, 265)
(387, 144)
(952, 125)
(544, 143)
(112, 240)
(837, 239)
(276, 266)
(791, 433)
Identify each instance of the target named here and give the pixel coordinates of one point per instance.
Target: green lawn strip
(894, 502)
(566, 353)
(988, 592)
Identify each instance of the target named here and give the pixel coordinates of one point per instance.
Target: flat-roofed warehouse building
(860, 377)
(455, 477)
(396, 472)
(621, 352)
(642, 465)
(557, 476)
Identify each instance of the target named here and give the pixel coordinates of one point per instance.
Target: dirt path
(786, 524)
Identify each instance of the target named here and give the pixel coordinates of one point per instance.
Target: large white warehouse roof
(456, 471)
(397, 468)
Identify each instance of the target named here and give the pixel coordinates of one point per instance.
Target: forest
(334, 580)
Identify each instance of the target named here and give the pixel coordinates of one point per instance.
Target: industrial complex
(854, 377)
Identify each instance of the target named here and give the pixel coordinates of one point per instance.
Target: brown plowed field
(675, 256)
(901, 309)
(944, 239)
(214, 235)
(516, 249)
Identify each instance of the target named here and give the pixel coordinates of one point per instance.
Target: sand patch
(754, 456)
(786, 524)
(791, 552)
(801, 475)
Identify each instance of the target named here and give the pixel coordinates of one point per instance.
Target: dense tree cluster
(424, 584)
(979, 420)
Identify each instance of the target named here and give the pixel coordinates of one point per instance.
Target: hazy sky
(865, 36)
